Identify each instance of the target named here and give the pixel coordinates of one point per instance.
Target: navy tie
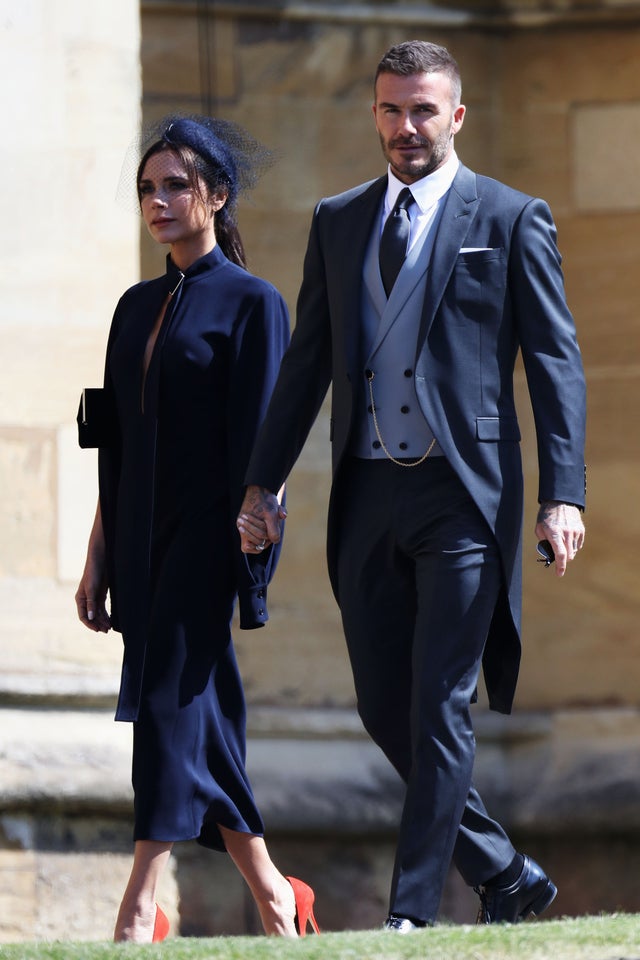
(395, 240)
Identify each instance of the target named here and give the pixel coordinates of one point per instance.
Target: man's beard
(439, 150)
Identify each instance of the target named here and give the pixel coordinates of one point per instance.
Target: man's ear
(458, 117)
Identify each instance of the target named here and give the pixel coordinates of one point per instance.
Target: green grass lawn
(611, 937)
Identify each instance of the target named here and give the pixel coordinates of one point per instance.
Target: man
(425, 516)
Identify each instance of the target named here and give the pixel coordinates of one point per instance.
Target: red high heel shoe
(161, 926)
(304, 906)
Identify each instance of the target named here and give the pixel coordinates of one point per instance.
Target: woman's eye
(145, 189)
(178, 185)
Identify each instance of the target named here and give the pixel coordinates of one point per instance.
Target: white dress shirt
(427, 193)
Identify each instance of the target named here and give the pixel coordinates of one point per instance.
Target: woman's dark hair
(203, 170)
(217, 153)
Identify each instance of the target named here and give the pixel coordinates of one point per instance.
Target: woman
(191, 360)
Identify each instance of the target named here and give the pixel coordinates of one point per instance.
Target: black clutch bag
(95, 419)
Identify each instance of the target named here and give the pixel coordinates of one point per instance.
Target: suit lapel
(372, 278)
(458, 214)
(349, 253)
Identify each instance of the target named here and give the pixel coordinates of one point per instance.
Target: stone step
(316, 770)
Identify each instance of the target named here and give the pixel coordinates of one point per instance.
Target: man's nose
(406, 124)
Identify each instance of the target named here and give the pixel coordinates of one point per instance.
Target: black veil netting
(239, 157)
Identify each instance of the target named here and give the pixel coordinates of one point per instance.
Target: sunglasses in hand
(547, 556)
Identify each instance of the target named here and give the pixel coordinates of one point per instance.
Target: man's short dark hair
(418, 56)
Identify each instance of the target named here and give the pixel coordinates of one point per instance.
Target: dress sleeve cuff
(252, 607)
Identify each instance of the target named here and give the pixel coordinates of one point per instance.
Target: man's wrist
(559, 503)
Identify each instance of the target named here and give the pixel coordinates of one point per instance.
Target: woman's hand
(91, 598)
(91, 594)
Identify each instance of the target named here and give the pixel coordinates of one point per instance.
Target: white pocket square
(475, 249)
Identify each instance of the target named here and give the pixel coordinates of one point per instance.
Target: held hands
(259, 520)
(561, 524)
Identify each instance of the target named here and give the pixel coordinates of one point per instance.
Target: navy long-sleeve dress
(170, 488)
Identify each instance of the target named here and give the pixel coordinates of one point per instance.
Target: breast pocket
(479, 254)
(477, 284)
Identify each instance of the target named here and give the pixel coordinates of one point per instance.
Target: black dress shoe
(402, 924)
(530, 894)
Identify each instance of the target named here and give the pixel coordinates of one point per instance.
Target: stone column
(70, 86)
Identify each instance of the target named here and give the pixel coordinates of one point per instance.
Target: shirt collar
(426, 191)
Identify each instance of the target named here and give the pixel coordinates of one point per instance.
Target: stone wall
(553, 96)
(553, 109)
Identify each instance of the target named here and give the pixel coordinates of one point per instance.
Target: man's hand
(259, 519)
(561, 524)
